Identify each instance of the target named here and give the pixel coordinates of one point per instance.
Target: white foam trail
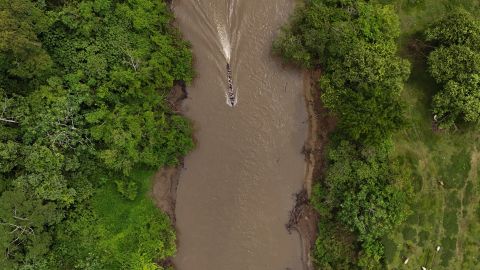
(227, 50)
(225, 41)
(230, 12)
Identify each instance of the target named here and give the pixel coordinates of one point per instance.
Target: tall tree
(455, 65)
(21, 53)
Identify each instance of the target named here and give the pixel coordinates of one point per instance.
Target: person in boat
(230, 92)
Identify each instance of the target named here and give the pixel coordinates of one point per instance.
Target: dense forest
(369, 188)
(84, 121)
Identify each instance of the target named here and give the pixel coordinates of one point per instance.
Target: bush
(449, 245)
(127, 189)
(410, 233)
(390, 248)
(334, 247)
(424, 237)
(113, 233)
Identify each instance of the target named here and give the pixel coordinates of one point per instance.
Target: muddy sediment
(164, 190)
(303, 217)
(321, 124)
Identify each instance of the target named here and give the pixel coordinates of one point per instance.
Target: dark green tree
(363, 89)
(455, 66)
(21, 53)
(354, 45)
(369, 193)
(457, 28)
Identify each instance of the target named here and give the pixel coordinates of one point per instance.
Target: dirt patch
(321, 124)
(303, 218)
(164, 190)
(474, 166)
(176, 96)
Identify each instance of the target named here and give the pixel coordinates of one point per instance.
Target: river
(236, 188)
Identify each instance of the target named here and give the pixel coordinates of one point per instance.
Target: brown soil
(164, 191)
(321, 124)
(303, 218)
(177, 95)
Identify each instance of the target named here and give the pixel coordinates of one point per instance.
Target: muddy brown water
(237, 186)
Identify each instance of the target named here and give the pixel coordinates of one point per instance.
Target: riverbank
(164, 190)
(165, 182)
(303, 217)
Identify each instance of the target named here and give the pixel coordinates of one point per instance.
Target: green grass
(115, 209)
(132, 232)
(450, 222)
(444, 171)
(390, 249)
(113, 232)
(424, 236)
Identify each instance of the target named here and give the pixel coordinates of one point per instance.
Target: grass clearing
(446, 209)
(134, 227)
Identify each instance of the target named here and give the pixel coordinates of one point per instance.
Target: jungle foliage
(354, 44)
(364, 194)
(83, 88)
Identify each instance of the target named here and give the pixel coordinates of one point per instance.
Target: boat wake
(231, 93)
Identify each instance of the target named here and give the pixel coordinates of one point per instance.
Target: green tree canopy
(22, 55)
(456, 62)
(364, 88)
(455, 66)
(83, 88)
(354, 43)
(458, 100)
(24, 223)
(368, 191)
(457, 28)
